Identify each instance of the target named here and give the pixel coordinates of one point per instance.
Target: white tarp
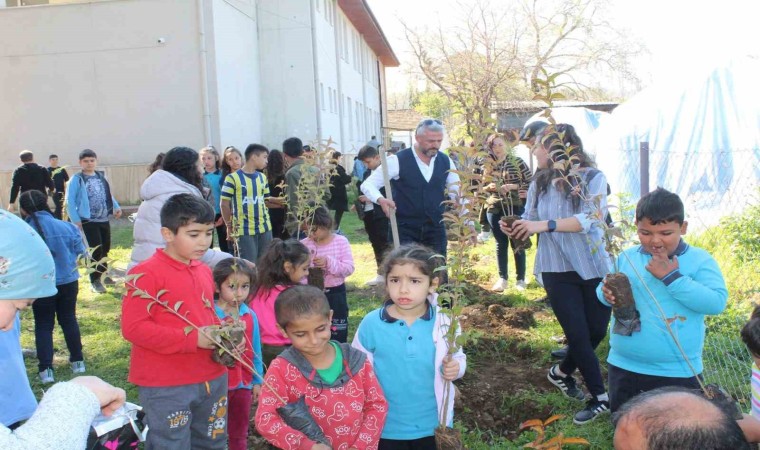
(704, 139)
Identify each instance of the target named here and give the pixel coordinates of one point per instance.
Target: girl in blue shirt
(212, 175)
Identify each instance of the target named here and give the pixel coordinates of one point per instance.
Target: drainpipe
(339, 100)
(317, 93)
(204, 73)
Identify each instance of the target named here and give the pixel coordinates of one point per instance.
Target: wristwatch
(551, 225)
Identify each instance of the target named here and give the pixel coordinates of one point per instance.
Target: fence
(720, 190)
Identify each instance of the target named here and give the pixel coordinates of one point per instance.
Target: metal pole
(644, 167)
(389, 196)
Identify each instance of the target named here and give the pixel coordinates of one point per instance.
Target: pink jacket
(263, 305)
(340, 261)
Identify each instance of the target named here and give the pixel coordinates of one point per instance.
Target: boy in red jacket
(183, 392)
(337, 381)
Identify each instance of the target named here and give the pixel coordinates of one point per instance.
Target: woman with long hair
(180, 173)
(566, 200)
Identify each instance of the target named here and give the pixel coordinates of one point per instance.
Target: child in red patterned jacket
(337, 381)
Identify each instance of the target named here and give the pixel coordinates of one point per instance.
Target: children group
(385, 389)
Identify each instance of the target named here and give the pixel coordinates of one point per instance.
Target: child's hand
(256, 393)
(607, 294)
(660, 265)
(449, 368)
(203, 340)
(320, 261)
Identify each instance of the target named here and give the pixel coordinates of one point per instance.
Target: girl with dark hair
(212, 177)
(331, 252)
(65, 243)
(284, 264)
(232, 161)
(180, 173)
(275, 173)
(508, 178)
(571, 259)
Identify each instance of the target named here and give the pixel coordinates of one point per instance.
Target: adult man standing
(419, 179)
(60, 177)
(29, 175)
(292, 152)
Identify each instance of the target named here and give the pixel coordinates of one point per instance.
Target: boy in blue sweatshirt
(89, 204)
(687, 283)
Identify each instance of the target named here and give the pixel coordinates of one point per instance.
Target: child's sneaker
(593, 409)
(521, 285)
(46, 376)
(78, 367)
(565, 384)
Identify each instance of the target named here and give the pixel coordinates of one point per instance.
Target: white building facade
(132, 78)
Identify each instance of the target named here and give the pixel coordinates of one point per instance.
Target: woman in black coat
(338, 195)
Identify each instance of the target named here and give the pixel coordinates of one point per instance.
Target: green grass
(107, 354)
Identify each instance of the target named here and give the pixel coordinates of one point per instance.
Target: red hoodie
(351, 411)
(163, 354)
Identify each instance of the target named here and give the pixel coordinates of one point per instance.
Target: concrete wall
(235, 75)
(94, 75)
(287, 71)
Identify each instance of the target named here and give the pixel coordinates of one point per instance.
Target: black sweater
(30, 176)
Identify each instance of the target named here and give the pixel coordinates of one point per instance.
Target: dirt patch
(496, 398)
(498, 320)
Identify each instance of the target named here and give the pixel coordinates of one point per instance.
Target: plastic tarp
(704, 139)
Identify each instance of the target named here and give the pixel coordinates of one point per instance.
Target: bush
(743, 233)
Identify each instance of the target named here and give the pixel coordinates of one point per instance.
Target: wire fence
(720, 190)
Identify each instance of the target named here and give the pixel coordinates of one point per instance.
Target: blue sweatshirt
(686, 296)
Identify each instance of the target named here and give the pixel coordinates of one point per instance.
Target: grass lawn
(491, 358)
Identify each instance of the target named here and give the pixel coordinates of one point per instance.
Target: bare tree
(498, 50)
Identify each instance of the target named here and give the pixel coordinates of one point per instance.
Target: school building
(132, 78)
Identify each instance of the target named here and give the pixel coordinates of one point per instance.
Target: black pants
(221, 235)
(502, 247)
(336, 296)
(583, 319)
(624, 384)
(429, 234)
(62, 305)
(338, 217)
(58, 201)
(98, 236)
(426, 443)
(377, 225)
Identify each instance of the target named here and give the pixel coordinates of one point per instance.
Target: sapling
(539, 426)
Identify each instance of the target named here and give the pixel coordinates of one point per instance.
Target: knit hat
(27, 269)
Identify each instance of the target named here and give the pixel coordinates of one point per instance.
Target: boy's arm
(374, 412)
(226, 195)
(704, 293)
(72, 192)
(139, 327)
(268, 421)
(258, 363)
(341, 265)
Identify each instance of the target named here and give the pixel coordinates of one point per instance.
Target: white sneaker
(521, 285)
(484, 236)
(78, 367)
(376, 281)
(500, 285)
(46, 376)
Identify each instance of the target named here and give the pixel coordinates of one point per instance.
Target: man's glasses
(427, 123)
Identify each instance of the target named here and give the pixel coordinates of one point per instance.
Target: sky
(681, 36)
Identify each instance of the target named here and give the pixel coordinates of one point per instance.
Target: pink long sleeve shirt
(340, 261)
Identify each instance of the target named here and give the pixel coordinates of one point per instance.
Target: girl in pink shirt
(332, 253)
(284, 264)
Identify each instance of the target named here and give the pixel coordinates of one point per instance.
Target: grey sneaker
(97, 287)
(46, 376)
(594, 408)
(565, 384)
(78, 367)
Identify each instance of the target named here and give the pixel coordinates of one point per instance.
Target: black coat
(338, 195)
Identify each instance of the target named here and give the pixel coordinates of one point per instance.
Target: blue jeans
(252, 247)
(429, 234)
(502, 245)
